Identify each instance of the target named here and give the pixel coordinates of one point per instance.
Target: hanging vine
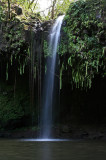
(83, 41)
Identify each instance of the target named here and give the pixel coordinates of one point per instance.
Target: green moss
(84, 41)
(14, 105)
(45, 48)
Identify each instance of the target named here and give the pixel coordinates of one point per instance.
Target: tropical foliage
(83, 41)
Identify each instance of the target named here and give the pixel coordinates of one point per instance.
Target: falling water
(46, 116)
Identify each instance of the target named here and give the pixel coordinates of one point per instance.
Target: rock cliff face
(21, 45)
(19, 35)
(83, 63)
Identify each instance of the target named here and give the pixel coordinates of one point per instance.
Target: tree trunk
(8, 9)
(53, 8)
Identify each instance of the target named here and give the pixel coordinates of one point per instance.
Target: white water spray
(46, 116)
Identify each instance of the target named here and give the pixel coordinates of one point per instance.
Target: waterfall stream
(46, 115)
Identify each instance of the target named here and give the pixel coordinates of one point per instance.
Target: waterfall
(46, 115)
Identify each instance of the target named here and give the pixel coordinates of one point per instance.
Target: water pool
(52, 150)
